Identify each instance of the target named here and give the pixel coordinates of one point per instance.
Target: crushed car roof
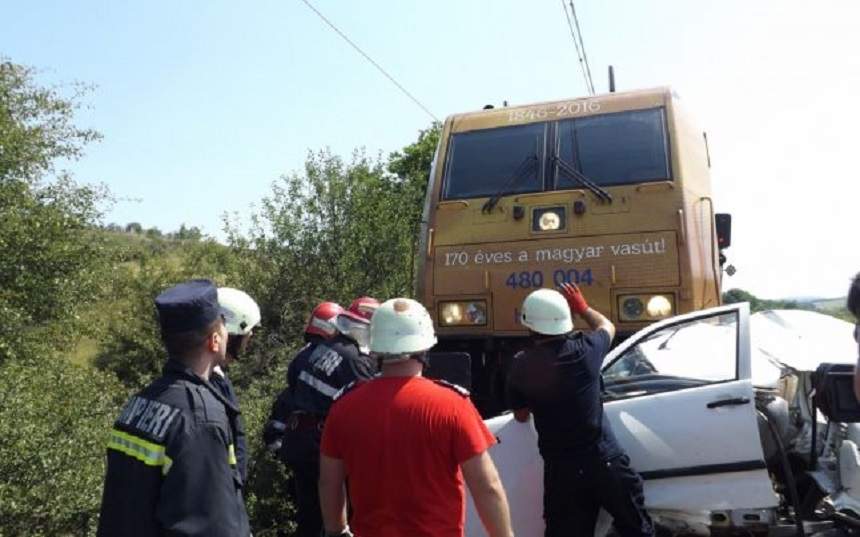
(783, 341)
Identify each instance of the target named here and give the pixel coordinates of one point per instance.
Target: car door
(680, 400)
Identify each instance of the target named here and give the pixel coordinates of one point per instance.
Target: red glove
(574, 298)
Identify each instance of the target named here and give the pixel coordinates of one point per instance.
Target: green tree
(37, 124)
(334, 232)
(52, 262)
(760, 304)
(153, 233)
(733, 296)
(53, 415)
(412, 164)
(185, 233)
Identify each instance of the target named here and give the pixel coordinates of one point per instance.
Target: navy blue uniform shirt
(321, 369)
(171, 464)
(559, 380)
(222, 382)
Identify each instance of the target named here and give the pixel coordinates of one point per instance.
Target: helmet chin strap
(420, 357)
(234, 345)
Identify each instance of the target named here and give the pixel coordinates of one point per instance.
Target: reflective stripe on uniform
(317, 384)
(278, 425)
(143, 450)
(231, 455)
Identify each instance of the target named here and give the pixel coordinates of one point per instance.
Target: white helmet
(545, 311)
(242, 313)
(401, 326)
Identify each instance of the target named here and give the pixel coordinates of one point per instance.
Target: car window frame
(742, 370)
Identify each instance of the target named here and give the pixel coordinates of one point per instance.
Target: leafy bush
(267, 495)
(54, 421)
(334, 232)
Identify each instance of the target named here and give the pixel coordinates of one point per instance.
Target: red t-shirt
(402, 440)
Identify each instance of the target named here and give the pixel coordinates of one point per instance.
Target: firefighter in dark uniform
(171, 464)
(241, 315)
(335, 356)
(558, 380)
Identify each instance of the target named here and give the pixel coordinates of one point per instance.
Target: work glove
(574, 298)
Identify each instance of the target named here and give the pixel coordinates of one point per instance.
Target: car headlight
(471, 313)
(646, 307)
(548, 219)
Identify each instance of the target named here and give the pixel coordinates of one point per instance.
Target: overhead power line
(582, 44)
(576, 36)
(368, 58)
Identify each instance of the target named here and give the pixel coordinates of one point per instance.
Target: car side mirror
(724, 229)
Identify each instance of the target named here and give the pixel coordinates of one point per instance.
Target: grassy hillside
(830, 304)
(132, 252)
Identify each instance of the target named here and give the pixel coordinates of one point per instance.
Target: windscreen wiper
(665, 342)
(524, 167)
(582, 179)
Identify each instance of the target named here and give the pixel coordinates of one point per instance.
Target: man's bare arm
(598, 321)
(332, 494)
(489, 495)
(578, 306)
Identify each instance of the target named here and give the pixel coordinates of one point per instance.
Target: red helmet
(322, 320)
(364, 306)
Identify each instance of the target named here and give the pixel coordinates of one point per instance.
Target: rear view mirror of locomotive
(611, 192)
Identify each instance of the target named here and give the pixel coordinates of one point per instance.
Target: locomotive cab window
(616, 149)
(505, 160)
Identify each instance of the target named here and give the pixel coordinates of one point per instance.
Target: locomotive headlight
(645, 307)
(548, 219)
(471, 313)
(452, 313)
(659, 307)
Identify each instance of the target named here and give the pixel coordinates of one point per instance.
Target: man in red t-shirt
(405, 444)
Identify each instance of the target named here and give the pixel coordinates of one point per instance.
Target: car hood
(787, 341)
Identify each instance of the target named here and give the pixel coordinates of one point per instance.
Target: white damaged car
(715, 410)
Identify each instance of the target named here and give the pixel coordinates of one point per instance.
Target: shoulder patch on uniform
(325, 359)
(147, 416)
(346, 389)
(451, 386)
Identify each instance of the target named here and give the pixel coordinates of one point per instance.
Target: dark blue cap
(188, 306)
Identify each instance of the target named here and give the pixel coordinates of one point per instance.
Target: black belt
(302, 421)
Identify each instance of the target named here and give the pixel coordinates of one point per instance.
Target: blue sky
(203, 104)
